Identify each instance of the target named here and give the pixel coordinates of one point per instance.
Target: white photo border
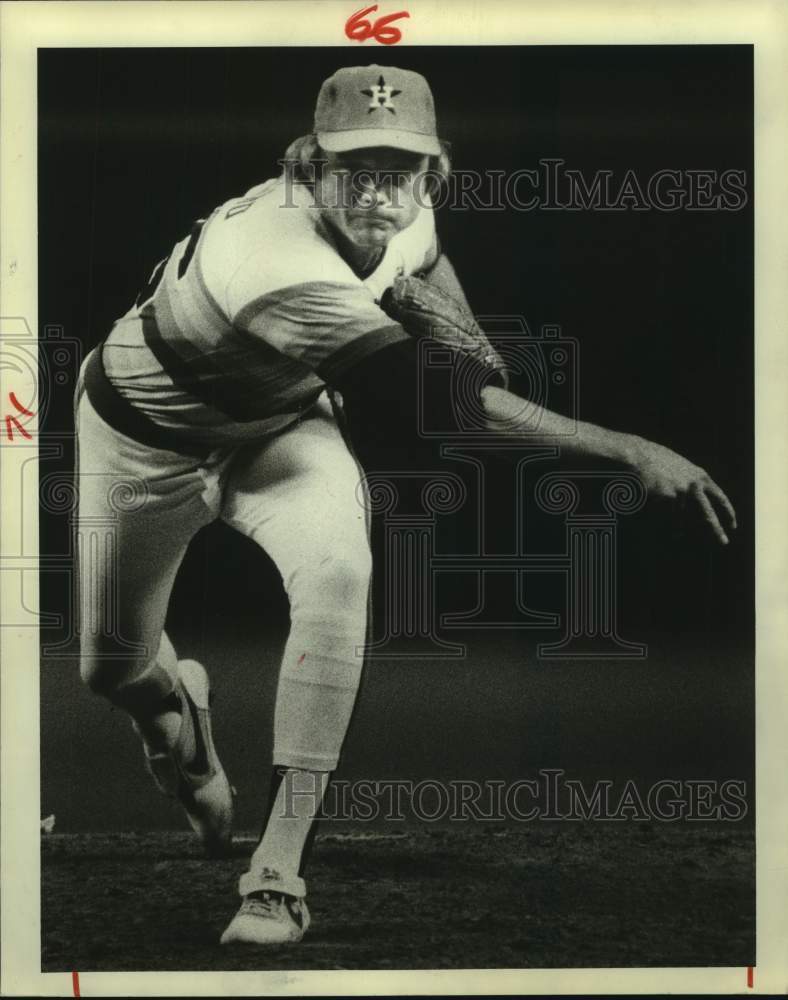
(27, 26)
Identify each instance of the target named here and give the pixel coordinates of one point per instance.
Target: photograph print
(396, 494)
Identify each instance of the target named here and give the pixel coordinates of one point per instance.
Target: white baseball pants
(296, 496)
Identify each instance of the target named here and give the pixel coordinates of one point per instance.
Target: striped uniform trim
(187, 362)
(127, 419)
(233, 387)
(356, 350)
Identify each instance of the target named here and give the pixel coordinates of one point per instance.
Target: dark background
(134, 144)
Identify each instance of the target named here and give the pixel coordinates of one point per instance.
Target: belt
(126, 419)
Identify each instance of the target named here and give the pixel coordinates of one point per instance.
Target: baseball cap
(363, 106)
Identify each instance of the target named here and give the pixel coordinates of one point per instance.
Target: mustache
(374, 212)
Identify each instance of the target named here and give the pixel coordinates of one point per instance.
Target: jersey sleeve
(327, 325)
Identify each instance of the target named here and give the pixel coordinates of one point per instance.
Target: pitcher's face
(370, 195)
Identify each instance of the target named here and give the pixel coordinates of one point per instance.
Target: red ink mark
(11, 421)
(15, 403)
(749, 977)
(75, 983)
(359, 29)
(301, 659)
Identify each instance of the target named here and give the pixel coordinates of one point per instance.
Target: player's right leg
(138, 510)
(296, 496)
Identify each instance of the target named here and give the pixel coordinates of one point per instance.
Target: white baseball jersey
(226, 342)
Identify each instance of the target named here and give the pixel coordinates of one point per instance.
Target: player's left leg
(139, 507)
(297, 497)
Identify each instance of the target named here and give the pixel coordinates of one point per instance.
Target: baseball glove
(426, 311)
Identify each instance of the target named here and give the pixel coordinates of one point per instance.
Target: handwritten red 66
(359, 29)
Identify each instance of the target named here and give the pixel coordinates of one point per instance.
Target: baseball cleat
(268, 918)
(191, 771)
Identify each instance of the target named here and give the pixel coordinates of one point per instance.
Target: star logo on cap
(381, 96)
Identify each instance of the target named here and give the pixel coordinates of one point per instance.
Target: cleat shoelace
(263, 904)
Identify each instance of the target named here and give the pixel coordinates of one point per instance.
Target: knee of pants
(104, 668)
(332, 584)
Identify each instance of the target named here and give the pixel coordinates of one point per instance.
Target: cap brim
(366, 138)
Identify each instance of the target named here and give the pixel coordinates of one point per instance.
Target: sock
(294, 801)
(160, 725)
(153, 700)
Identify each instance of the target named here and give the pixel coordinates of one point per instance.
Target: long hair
(304, 159)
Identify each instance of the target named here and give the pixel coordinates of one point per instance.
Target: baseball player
(289, 313)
